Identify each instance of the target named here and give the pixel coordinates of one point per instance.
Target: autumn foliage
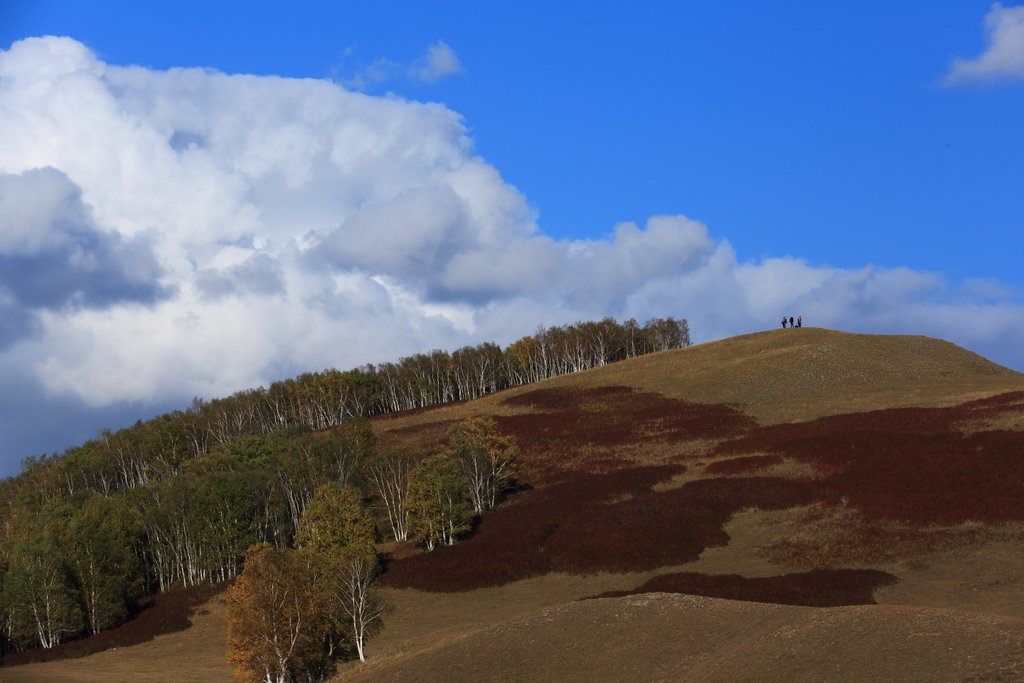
(274, 618)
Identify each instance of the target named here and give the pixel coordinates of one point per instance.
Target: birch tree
(388, 474)
(486, 459)
(274, 619)
(440, 509)
(37, 588)
(352, 584)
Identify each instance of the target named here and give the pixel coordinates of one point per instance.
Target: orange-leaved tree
(275, 618)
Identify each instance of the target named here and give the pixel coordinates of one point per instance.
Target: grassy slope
(611, 446)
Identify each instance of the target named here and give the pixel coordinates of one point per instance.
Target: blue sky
(862, 163)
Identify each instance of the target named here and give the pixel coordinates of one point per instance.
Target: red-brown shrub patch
(570, 424)
(910, 465)
(595, 522)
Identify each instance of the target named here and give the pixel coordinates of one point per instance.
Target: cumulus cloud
(1004, 53)
(54, 257)
(168, 234)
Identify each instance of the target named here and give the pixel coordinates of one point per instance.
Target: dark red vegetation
(595, 522)
(592, 507)
(164, 613)
(745, 463)
(571, 422)
(912, 465)
(817, 588)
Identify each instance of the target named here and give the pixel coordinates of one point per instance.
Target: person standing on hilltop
(799, 321)
(791, 321)
(783, 322)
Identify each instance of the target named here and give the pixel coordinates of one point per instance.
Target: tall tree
(351, 582)
(339, 533)
(99, 541)
(336, 523)
(274, 619)
(44, 604)
(388, 475)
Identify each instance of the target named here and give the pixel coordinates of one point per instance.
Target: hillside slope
(662, 637)
(774, 467)
(786, 375)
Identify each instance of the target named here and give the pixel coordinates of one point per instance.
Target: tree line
(195, 495)
(158, 449)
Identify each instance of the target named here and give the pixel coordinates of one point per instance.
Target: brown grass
(908, 465)
(798, 375)
(662, 637)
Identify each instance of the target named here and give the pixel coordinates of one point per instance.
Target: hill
(792, 375)
(663, 637)
(845, 504)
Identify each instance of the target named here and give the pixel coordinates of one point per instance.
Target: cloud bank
(169, 234)
(1004, 54)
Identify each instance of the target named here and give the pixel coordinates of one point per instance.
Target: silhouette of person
(799, 321)
(791, 321)
(783, 322)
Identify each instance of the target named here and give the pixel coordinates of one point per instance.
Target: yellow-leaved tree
(339, 532)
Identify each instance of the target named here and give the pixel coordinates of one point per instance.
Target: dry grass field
(794, 505)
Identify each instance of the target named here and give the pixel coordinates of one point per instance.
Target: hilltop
(845, 504)
(798, 374)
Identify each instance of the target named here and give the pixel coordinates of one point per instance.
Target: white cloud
(228, 230)
(1004, 53)
(439, 61)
